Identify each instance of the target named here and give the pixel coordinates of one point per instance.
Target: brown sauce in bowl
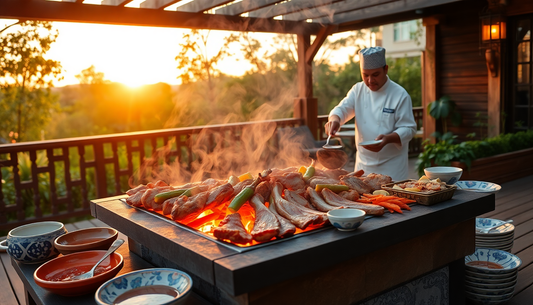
(483, 264)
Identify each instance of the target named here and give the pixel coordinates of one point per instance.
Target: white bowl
(148, 286)
(346, 219)
(478, 186)
(509, 262)
(447, 174)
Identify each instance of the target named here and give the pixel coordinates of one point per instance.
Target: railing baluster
(52, 176)
(114, 149)
(83, 177)
(101, 182)
(35, 184)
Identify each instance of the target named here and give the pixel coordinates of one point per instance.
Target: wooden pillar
(305, 105)
(493, 58)
(429, 74)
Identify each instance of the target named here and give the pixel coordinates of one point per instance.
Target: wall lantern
(493, 30)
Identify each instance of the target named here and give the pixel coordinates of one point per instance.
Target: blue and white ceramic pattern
(180, 281)
(346, 219)
(34, 243)
(478, 186)
(508, 261)
(490, 276)
(501, 232)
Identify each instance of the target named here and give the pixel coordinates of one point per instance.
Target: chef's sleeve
(345, 109)
(405, 125)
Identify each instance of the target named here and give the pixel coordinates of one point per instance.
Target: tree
(26, 77)
(89, 76)
(194, 61)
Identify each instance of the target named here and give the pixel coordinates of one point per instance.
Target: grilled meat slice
(156, 184)
(358, 173)
(211, 183)
(282, 171)
(264, 188)
(351, 195)
(286, 228)
(333, 199)
(171, 202)
(318, 202)
(356, 184)
(322, 180)
(231, 228)
(292, 211)
(266, 224)
(241, 185)
(135, 199)
(294, 197)
(148, 197)
(190, 209)
(218, 195)
(135, 190)
(292, 181)
(377, 180)
(335, 173)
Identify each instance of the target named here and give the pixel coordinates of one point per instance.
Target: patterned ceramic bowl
(477, 280)
(482, 299)
(478, 186)
(489, 276)
(500, 228)
(34, 243)
(161, 286)
(346, 219)
(492, 261)
(447, 174)
(492, 291)
(490, 286)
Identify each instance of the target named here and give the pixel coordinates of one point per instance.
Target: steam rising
(224, 149)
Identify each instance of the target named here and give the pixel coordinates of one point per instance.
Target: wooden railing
(56, 179)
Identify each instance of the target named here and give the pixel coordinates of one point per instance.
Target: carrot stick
(389, 206)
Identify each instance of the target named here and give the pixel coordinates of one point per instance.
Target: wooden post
(99, 158)
(494, 93)
(429, 74)
(305, 105)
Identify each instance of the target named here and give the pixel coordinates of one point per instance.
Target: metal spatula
(328, 146)
(90, 273)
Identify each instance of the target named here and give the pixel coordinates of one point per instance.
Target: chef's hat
(372, 58)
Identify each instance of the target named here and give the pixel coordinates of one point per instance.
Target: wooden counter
(353, 266)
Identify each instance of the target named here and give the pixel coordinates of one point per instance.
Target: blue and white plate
(504, 230)
(508, 261)
(478, 186)
(488, 298)
(490, 286)
(162, 286)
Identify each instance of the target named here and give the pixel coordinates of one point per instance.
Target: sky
(129, 54)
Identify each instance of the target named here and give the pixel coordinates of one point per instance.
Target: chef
(384, 121)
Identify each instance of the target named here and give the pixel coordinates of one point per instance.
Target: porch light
(493, 30)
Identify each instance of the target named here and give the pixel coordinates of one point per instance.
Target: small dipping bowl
(86, 239)
(346, 219)
(53, 275)
(492, 261)
(155, 286)
(446, 174)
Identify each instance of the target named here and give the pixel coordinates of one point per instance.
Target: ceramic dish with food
(56, 275)
(478, 186)
(446, 174)
(86, 239)
(492, 261)
(149, 286)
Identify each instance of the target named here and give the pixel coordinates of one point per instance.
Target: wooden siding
(462, 69)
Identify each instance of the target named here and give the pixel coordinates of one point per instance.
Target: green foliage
(89, 76)
(445, 150)
(25, 77)
(407, 72)
(444, 109)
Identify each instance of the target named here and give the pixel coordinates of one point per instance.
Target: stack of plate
(501, 237)
(490, 276)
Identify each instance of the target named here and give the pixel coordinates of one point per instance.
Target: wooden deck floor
(514, 201)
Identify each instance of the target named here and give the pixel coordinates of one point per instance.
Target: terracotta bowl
(86, 239)
(53, 275)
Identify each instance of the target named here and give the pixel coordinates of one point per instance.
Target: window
(404, 31)
(521, 111)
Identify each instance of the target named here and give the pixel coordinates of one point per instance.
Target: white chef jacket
(380, 112)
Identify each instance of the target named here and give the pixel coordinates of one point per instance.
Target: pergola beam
(118, 15)
(244, 7)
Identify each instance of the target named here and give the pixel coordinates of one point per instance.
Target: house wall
(396, 49)
(461, 68)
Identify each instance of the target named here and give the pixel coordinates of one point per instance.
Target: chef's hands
(385, 139)
(333, 125)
